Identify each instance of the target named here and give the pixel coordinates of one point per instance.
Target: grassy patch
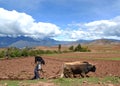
(64, 81)
(78, 82)
(17, 82)
(86, 57)
(74, 82)
(114, 59)
(111, 79)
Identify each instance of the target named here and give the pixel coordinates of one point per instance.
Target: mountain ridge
(22, 41)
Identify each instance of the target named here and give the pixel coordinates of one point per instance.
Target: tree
(78, 48)
(59, 47)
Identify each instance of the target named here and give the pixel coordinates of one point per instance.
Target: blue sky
(60, 19)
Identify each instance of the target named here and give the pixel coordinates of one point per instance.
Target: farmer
(38, 61)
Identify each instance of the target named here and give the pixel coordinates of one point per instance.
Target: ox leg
(67, 73)
(70, 75)
(74, 75)
(87, 76)
(83, 75)
(62, 75)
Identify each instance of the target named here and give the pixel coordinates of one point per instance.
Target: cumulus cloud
(96, 29)
(13, 23)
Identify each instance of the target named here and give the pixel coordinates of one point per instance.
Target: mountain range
(22, 41)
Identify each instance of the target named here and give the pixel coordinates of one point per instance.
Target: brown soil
(22, 68)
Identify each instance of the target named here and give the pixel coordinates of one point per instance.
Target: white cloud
(96, 29)
(105, 28)
(13, 23)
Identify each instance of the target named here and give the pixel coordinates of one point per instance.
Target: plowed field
(22, 68)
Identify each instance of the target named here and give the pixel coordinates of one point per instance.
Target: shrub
(48, 52)
(2, 54)
(13, 52)
(71, 48)
(25, 52)
(79, 48)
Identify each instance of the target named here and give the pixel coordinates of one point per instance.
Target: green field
(92, 80)
(64, 81)
(91, 56)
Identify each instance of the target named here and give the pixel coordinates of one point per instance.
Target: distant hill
(83, 41)
(104, 41)
(22, 41)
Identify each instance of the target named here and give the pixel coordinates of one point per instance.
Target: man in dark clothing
(38, 61)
